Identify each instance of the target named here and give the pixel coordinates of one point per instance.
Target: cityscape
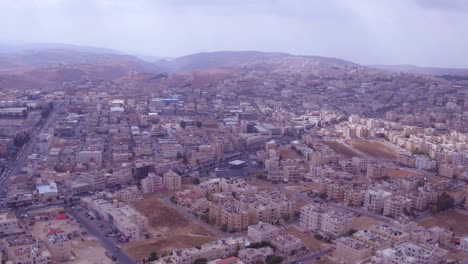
(229, 157)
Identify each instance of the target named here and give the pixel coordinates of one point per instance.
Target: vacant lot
(307, 238)
(364, 222)
(399, 172)
(84, 251)
(170, 228)
(342, 149)
(450, 219)
(374, 148)
(287, 153)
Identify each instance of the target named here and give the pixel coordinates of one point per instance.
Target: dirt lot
(307, 238)
(170, 228)
(84, 252)
(364, 222)
(374, 148)
(399, 172)
(450, 219)
(287, 153)
(342, 149)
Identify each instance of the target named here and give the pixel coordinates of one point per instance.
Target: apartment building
(409, 252)
(89, 158)
(287, 245)
(151, 184)
(325, 220)
(172, 181)
(397, 206)
(374, 200)
(26, 249)
(262, 232)
(218, 249)
(255, 255)
(59, 245)
(425, 163)
(375, 170)
(123, 217)
(335, 191)
(9, 224)
(353, 197)
(351, 251)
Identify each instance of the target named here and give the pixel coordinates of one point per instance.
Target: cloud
(423, 32)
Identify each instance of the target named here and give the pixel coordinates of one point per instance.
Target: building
(255, 255)
(325, 220)
(152, 183)
(409, 252)
(124, 218)
(9, 224)
(287, 245)
(350, 251)
(59, 245)
(172, 181)
(397, 206)
(218, 249)
(262, 232)
(25, 248)
(89, 158)
(374, 200)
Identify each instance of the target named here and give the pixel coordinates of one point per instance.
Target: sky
(418, 32)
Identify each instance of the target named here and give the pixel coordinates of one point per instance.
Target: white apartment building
(397, 205)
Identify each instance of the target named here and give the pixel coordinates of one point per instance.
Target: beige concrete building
(287, 245)
(59, 245)
(172, 181)
(351, 251)
(325, 220)
(25, 249)
(262, 232)
(255, 255)
(9, 224)
(374, 200)
(397, 206)
(409, 252)
(152, 183)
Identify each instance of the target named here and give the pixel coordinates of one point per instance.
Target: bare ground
(172, 229)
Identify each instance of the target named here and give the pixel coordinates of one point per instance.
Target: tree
(179, 156)
(182, 124)
(196, 181)
(224, 227)
(286, 217)
(200, 261)
(273, 259)
(153, 256)
(444, 202)
(198, 124)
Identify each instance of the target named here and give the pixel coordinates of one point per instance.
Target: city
(229, 157)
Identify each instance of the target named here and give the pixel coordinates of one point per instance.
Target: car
(84, 232)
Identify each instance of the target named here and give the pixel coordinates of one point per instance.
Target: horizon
(387, 33)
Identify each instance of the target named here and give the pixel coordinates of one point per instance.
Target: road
(311, 257)
(105, 242)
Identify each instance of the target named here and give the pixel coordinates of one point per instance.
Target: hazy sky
(420, 32)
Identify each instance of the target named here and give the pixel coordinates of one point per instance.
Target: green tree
(200, 261)
(153, 256)
(224, 227)
(179, 155)
(196, 181)
(444, 202)
(273, 259)
(198, 124)
(182, 124)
